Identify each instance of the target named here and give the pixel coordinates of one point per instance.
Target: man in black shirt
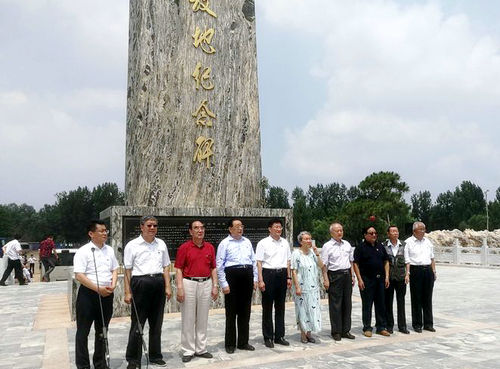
(371, 265)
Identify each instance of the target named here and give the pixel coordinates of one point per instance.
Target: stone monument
(193, 131)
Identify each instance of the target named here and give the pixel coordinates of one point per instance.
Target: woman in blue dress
(306, 267)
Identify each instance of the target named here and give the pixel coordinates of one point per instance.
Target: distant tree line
(378, 200)
(66, 220)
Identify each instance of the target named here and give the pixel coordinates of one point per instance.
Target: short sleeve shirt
(273, 254)
(371, 259)
(195, 261)
(146, 258)
(105, 261)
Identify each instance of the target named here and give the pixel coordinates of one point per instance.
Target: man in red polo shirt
(196, 278)
(48, 257)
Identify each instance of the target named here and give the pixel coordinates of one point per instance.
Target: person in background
(48, 257)
(13, 251)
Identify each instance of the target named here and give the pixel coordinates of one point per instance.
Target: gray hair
(302, 234)
(331, 226)
(145, 218)
(417, 224)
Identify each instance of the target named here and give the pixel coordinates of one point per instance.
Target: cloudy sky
(346, 88)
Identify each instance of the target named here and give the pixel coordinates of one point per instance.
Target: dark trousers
(400, 288)
(340, 301)
(32, 269)
(88, 312)
(373, 293)
(421, 286)
(274, 294)
(18, 271)
(238, 305)
(49, 265)
(149, 296)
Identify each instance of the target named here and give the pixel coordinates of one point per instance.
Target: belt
(275, 270)
(242, 266)
(340, 271)
(149, 275)
(420, 266)
(197, 279)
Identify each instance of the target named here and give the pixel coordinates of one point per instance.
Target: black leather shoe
(187, 358)
(405, 331)
(268, 343)
(418, 330)
(430, 329)
(391, 331)
(348, 335)
(2, 284)
(282, 341)
(336, 336)
(230, 349)
(310, 339)
(158, 362)
(205, 355)
(246, 347)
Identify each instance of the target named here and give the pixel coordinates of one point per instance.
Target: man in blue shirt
(237, 273)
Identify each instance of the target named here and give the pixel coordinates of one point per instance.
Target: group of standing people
(381, 270)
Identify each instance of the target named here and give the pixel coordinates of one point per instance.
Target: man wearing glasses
(147, 281)
(237, 272)
(273, 265)
(421, 273)
(95, 267)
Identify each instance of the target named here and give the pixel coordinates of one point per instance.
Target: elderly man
(421, 273)
(147, 281)
(338, 278)
(13, 251)
(397, 269)
(196, 278)
(95, 267)
(237, 272)
(273, 265)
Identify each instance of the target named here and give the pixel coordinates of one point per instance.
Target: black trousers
(49, 265)
(274, 294)
(421, 286)
(400, 288)
(88, 312)
(149, 296)
(373, 293)
(238, 304)
(340, 301)
(32, 269)
(18, 271)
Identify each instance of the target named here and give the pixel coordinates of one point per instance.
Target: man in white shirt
(95, 267)
(421, 273)
(273, 265)
(237, 273)
(147, 281)
(13, 251)
(338, 277)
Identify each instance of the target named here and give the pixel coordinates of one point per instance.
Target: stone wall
(465, 238)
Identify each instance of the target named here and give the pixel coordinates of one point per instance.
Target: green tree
(380, 202)
(421, 205)
(441, 212)
(468, 200)
(326, 201)
(17, 219)
(277, 198)
(302, 220)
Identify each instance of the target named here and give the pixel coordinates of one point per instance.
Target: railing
(456, 254)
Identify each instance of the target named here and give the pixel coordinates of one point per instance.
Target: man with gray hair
(147, 281)
(338, 278)
(421, 273)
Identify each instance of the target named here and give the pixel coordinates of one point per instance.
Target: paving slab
(36, 332)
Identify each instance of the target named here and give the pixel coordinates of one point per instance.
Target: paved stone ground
(35, 332)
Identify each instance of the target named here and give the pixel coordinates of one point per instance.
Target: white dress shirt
(274, 254)
(231, 252)
(12, 250)
(146, 258)
(394, 248)
(337, 255)
(419, 252)
(105, 261)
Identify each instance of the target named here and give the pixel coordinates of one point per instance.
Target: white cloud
(410, 89)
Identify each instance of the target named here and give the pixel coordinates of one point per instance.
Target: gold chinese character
(202, 76)
(204, 150)
(203, 113)
(204, 39)
(202, 5)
